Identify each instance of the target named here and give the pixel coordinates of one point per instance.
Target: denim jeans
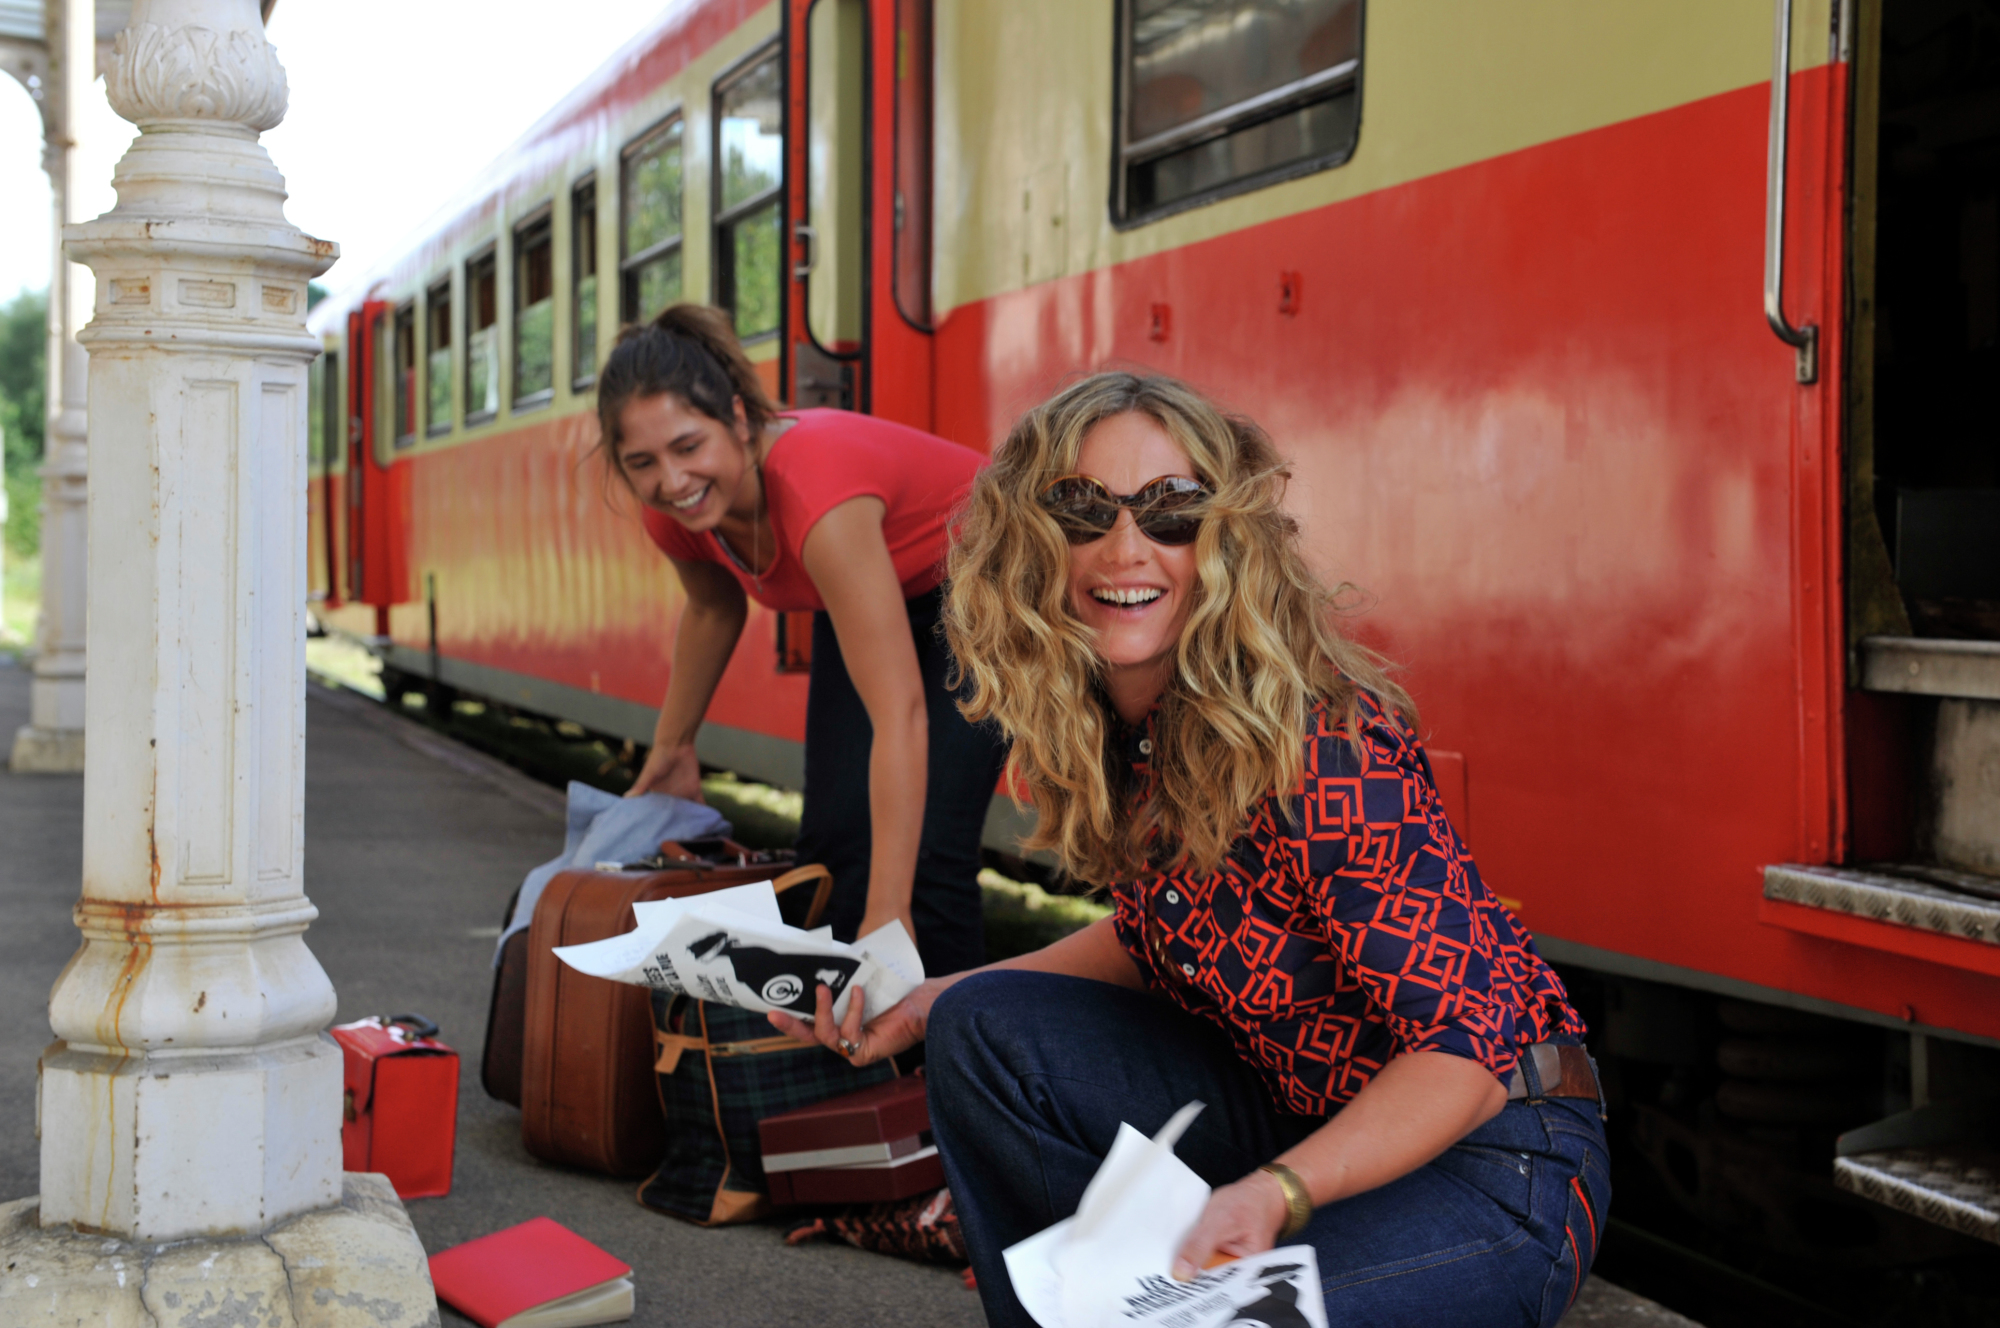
(835, 828)
(1031, 1073)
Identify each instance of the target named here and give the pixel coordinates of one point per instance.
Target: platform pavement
(413, 845)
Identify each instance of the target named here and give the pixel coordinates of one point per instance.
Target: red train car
(1629, 356)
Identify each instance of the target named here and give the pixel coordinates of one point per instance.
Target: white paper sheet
(1109, 1265)
(732, 947)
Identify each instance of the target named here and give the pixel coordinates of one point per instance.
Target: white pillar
(192, 1093)
(190, 1108)
(53, 740)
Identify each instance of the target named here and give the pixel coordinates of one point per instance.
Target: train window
(437, 358)
(583, 287)
(406, 375)
(482, 337)
(1220, 96)
(650, 224)
(534, 310)
(749, 170)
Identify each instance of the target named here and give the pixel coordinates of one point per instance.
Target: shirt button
(1173, 897)
(1188, 969)
(1145, 746)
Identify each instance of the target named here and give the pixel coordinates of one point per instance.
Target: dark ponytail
(691, 351)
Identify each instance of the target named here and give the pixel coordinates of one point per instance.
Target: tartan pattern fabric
(706, 1154)
(1348, 925)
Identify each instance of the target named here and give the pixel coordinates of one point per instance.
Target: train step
(1938, 899)
(1936, 1162)
(1926, 666)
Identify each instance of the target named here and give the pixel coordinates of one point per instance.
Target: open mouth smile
(693, 500)
(1119, 598)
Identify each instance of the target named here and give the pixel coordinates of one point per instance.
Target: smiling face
(684, 463)
(1134, 593)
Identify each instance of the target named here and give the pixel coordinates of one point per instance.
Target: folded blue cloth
(604, 827)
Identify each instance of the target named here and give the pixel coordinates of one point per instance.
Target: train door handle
(1805, 340)
(808, 241)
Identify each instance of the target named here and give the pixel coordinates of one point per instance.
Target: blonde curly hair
(1258, 653)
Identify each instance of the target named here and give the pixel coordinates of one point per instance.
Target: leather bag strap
(672, 1046)
(799, 876)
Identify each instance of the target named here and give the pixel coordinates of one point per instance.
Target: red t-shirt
(826, 458)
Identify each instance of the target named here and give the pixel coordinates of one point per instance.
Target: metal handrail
(1804, 339)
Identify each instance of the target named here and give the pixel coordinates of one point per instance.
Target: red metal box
(865, 1147)
(400, 1110)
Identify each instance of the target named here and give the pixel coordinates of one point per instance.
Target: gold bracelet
(1298, 1203)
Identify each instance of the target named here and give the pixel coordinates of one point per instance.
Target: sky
(395, 106)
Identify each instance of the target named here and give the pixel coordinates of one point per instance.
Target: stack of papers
(1110, 1264)
(732, 947)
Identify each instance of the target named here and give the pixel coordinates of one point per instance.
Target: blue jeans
(1031, 1073)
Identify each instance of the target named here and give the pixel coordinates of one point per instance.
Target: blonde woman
(1301, 940)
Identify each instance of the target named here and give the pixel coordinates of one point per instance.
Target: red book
(536, 1275)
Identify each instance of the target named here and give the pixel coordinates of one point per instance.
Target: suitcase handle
(420, 1027)
(799, 876)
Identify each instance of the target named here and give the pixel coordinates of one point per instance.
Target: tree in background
(23, 391)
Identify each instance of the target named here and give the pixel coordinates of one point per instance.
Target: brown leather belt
(1564, 1071)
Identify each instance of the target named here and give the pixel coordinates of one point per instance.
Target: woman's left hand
(1241, 1219)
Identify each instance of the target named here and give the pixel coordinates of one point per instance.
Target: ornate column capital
(208, 75)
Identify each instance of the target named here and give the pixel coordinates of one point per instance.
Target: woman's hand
(1240, 1219)
(859, 1043)
(671, 770)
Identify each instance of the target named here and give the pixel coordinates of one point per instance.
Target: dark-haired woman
(845, 515)
(1301, 940)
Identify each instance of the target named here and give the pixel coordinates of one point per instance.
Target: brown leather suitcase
(588, 1097)
(507, 1007)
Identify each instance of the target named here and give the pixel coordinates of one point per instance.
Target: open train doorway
(1923, 479)
(1934, 416)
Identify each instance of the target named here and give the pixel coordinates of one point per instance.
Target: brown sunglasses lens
(1087, 510)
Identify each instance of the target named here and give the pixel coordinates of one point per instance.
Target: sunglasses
(1166, 510)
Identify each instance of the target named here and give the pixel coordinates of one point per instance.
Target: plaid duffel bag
(720, 1071)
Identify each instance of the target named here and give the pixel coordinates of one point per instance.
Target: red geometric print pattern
(1348, 926)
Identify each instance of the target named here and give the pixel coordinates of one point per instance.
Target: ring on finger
(848, 1048)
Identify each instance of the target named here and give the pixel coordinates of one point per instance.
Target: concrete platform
(413, 845)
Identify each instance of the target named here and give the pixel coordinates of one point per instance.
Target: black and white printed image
(779, 979)
(1277, 1304)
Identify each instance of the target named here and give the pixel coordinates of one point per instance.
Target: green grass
(761, 816)
(21, 583)
(345, 662)
(1021, 916)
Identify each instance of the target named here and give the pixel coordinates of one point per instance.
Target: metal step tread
(1899, 899)
(1928, 666)
(1957, 1188)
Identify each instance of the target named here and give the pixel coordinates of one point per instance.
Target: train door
(1908, 374)
(376, 489)
(326, 469)
(858, 185)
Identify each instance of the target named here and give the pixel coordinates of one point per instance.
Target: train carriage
(1629, 357)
